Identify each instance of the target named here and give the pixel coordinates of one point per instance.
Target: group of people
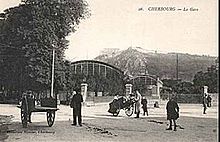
(77, 99)
(139, 100)
(171, 107)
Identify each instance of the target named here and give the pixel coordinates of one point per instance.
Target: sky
(130, 23)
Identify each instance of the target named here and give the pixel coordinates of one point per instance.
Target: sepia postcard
(109, 71)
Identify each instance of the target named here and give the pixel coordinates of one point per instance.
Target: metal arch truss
(92, 67)
(147, 79)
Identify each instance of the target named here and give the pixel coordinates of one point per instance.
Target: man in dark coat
(144, 105)
(172, 112)
(204, 102)
(209, 101)
(76, 104)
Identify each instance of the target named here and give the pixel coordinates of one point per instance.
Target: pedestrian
(144, 106)
(30, 103)
(137, 103)
(172, 112)
(204, 102)
(24, 103)
(76, 104)
(209, 101)
(115, 102)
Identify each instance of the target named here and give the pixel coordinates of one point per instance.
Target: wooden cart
(27, 106)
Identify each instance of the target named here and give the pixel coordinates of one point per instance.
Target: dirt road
(99, 125)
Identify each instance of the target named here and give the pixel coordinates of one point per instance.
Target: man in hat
(76, 104)
(172, 112)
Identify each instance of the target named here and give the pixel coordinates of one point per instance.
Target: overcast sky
(119, 24)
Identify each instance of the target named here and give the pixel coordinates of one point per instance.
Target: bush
(189, 98)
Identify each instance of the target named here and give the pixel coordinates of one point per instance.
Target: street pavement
(99, 125)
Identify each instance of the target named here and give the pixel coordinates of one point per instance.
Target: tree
(29, 32)
(180, 87)
(184, 88)
(169, 82)
(209, 78)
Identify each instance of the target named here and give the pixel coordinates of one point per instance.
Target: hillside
(135, 61)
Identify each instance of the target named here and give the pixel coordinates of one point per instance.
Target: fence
(191, 98)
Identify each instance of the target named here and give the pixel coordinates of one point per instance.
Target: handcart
(122, 103)
(27, 106)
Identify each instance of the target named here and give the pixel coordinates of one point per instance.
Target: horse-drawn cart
(27, 106)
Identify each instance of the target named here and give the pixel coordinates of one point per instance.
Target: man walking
(172, 112)
(76, 104)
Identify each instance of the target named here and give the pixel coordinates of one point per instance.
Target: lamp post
(53, 61)
(52, 76)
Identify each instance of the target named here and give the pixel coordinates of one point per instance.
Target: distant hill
(137, 61)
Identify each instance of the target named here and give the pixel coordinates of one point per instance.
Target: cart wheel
(50, 118)
(24, 113)
(129, 111)
(116, 113)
